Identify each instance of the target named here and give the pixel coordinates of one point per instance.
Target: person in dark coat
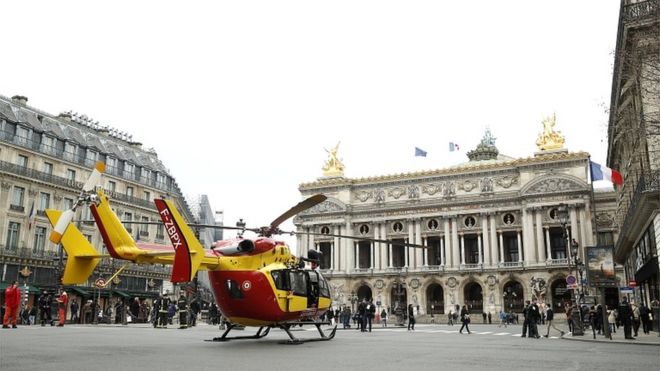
(370, 312)
(362, 315)
(525, 319)
(45, 302)
(465, 319)
(625, 316)
(411, 317)
(182, 306)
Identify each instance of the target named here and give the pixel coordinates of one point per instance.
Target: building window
(17, 198)
(90, 157)
(12, 235)
(147, 195)
(144, 228)
(509, 219)
(71, 175)
(111, 165)
(44, 201)
(21, 135)
(470, 222)
(48, 168)
(112, 186)
(364, 229)
(128, 217)
(70, 150)
(22, 161)
(433, 224)
(48, 144)
(67, 203)
(397, 227)
(129, 170)
(325, 230)
(129, 191)
(39, 240)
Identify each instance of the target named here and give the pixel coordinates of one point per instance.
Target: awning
(122, 294)
(79, 291)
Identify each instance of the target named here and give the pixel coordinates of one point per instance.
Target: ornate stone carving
(363, 196)
(414, 283)
(467, 185)
(396, 192)
(507, 181)
(605, 220)
(449, 189)
(324, 207)
(430, 189)
(6, 185)
(379, 196)
(452, 282)
(550, 138)
(379, 284)
(57, 197)
(32, 192)
(413, 191)
(553, 185)
(538, 288)
(487, 185)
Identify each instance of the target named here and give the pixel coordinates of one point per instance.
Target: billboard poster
(600, 266)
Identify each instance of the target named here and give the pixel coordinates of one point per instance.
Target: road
(430, 347)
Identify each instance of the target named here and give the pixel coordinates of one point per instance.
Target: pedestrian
(465, 319)
(44, 308)
(362, 316)
(636, 318)
(534, 315)
(12, 302)
(411, 317)
(645, 317)
(383, 317)
(549, 317)
(450, 318)
(370, 312)
(74, 311)
(163, 311)
(625, 316)
(611, 318)
(32, 314)
(182, 305)
(568, 308)
(135, 309)
(171, 312)
(62, 303)
(503, 319)
(489, 318)
(525, 319)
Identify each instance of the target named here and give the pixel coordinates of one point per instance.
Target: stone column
(443, 257)
(419, 252)
(547, 243)
(426, 253)
(528, 235)
(356, 250)
(485, 243)
(376, 247)
(348, 248)
(539, 235)
(384, 247)
(501, 238)
(390, 250)
(449, 253)
(456, 247)
(589, 240)
(520, 257)
(462, 249)
(493, 238)
(411, 238)
(583, 230)
(336, 262)
(480, 249)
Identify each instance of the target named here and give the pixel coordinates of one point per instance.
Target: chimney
(137, 145)
(20, 100)
(64, 116)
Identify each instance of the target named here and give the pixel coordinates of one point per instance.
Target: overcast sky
(240, 98)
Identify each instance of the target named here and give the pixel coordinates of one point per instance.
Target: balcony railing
(18, 208)
(649, 184)
(469, 267)
(640, 10)
(557, 262)
(434, 268)
(510, 264)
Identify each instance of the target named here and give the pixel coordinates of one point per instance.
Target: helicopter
(256, 282)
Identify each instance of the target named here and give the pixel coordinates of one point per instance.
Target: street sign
(571, 280)
(632, 283)
(626, 290)
(100, 282)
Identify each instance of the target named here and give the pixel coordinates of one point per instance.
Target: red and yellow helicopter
(256, 282)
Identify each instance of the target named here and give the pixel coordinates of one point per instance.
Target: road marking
(502, 333)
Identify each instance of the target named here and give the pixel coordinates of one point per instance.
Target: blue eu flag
(420, 152)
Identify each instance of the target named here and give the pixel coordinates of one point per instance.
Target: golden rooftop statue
(333, 166)
(550, 139)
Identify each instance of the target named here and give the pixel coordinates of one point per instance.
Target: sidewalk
(618, 337)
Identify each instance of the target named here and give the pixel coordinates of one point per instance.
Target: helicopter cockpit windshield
(300, 282)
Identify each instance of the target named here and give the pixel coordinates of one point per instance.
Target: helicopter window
(298, 281)
(234, 290)
(281, 279)
(323, 286)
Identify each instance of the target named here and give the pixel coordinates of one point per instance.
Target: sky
(241, 99)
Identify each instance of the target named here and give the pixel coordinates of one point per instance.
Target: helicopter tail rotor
(67, 216)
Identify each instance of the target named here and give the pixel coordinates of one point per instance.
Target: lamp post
(562, 215)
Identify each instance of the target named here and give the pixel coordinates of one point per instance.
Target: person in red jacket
(62, 302)
(12, 301)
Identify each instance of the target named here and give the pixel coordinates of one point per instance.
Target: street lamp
(562, 215)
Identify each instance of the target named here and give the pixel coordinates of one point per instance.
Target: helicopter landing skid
(258, 335)
(295, 341)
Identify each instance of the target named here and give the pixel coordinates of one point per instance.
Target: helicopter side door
(298, 280)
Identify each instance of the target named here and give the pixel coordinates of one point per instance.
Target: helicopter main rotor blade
(302, 206)
(361, 238)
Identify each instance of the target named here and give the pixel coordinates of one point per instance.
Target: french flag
(600, 172)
